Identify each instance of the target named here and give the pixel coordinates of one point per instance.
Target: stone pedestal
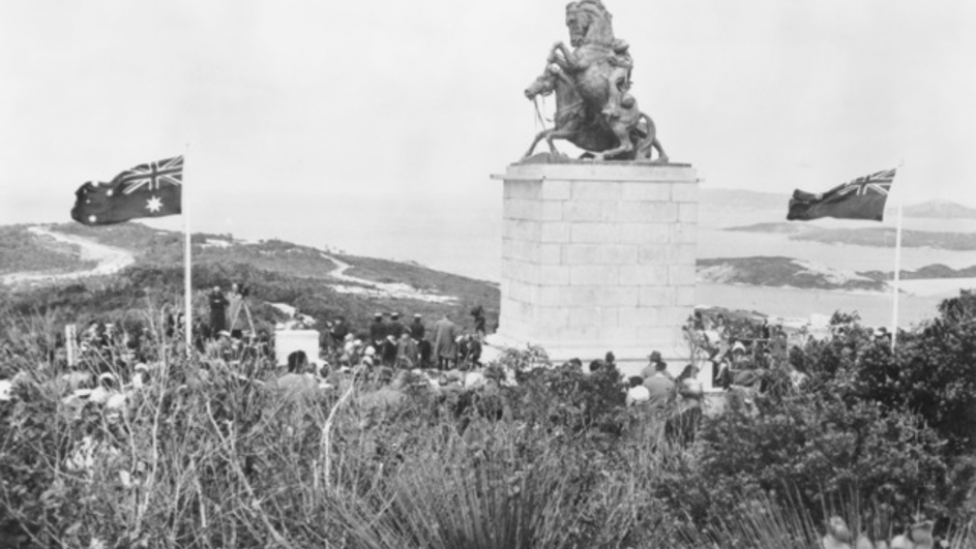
(599, 256)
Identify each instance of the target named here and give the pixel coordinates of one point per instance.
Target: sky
(373, 113)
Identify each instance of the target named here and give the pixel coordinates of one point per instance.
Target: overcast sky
(420, 101)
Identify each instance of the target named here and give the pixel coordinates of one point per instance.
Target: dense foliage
(202, 457)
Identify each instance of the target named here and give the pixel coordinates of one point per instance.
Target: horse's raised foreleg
(559, 133)
(535, 142)
(567, 61)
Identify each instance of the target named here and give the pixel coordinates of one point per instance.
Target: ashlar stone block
(524, 190)
(644, 275)
(645, 233)
(684, 193)
(557, 232)
(555, 190)
(594, 275)
(590, 211)
(657, 192)
(645, 211)
(599, 254)
(597, 190)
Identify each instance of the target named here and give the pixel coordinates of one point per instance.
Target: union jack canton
(150, 176)
(879, 182)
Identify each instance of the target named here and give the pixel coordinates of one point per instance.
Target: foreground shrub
(485, 495)
(816, 446)
(210, 459)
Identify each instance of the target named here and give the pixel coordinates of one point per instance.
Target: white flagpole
(897, 281)
(187, 262)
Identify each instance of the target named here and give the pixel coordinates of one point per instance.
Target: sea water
(462, 234)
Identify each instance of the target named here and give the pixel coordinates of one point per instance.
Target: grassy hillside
(274, 270)
(940, 209)
(23, 251)
(874, 236)
(781, 271)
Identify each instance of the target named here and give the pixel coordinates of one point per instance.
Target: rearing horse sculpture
(622, 137)
(599, 63)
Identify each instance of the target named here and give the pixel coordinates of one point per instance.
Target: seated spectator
(76, 379)
(684, 426)
(637, 393)
(6, 389)
(140, 376)
(297, 383)
(722, 374)
(474, 380)
(659, 386)
(369, 357)
(297, 362)
(108, 392)
(656, 364)
(407, 353)
(597, 365)
(470, 351)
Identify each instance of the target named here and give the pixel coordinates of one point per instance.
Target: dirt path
(109, 260)
(369, 288)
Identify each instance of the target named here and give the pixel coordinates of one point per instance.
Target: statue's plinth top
(535, 168)
(549, 158)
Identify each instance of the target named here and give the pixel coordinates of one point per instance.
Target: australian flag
(148, 190)
(863, 198)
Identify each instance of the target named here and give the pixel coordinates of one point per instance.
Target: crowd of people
(389, 342)
(109, 360)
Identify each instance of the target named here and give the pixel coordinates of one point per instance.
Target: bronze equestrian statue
(629, 136)
(592, 81)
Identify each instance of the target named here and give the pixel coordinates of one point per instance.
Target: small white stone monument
(599, 256)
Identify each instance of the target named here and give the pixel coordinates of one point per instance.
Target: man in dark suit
(218, 311)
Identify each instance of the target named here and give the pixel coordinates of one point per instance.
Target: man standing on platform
(339, 331)
(218, 311)
(417, 330)
(377, 331)
(479, 320)
(395, 328)
(445, 332)
(235, 301)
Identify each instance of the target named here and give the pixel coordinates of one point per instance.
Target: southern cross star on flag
(863, 198)
(148, 190)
